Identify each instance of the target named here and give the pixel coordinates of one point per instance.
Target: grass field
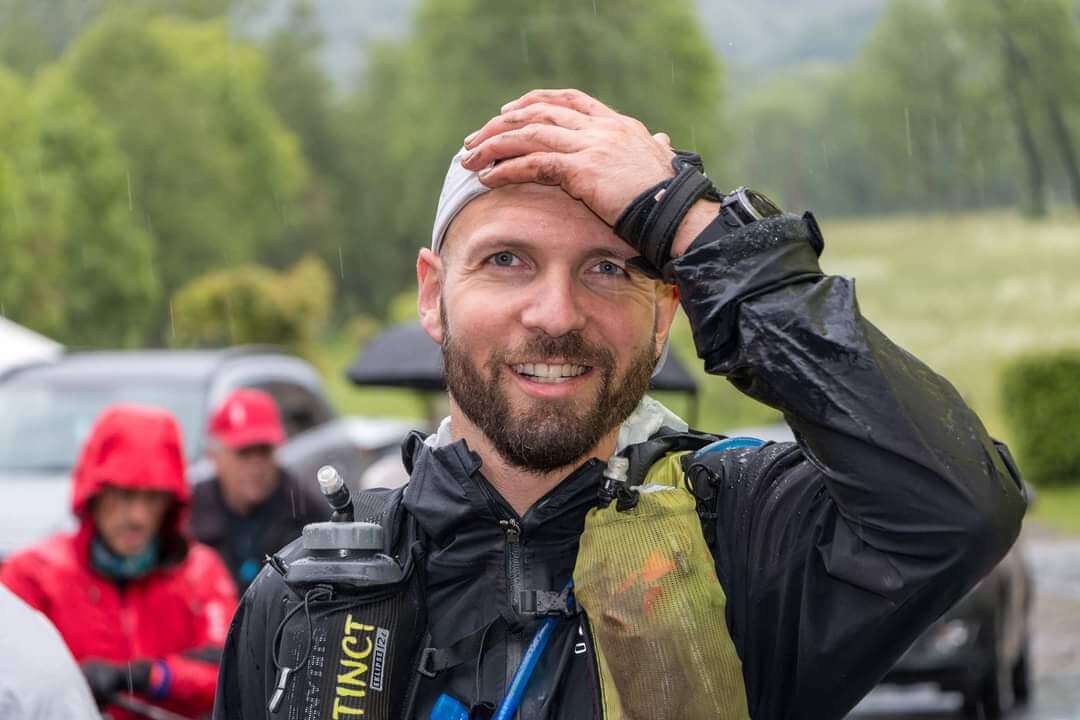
(965, 293)
(1058, 509)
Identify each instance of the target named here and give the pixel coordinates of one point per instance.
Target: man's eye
(504, 259)
(607, 267)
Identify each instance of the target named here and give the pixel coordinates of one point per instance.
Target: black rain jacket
(834, 552)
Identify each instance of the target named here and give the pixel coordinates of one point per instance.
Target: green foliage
(254, 304)
(77, 264)
(464, 59)
(923, 117)
(800, 143)
(213, 174)
(927, 120)
(303, 98)
(1041, 394)
(402, 307)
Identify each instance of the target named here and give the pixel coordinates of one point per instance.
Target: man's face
(548, 339)
(127, 520)
(248, 475)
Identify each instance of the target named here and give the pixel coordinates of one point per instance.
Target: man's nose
(555, 305)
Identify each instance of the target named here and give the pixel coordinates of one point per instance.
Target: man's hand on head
(569, 139)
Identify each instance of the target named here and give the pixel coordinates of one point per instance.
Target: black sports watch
(743, 206)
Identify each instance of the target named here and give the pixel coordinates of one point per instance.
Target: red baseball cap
(247, 417)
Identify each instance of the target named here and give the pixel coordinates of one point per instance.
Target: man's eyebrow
(489, 244)
(622, 252)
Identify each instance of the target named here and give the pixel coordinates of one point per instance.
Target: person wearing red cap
(143, 609)
(252, 507)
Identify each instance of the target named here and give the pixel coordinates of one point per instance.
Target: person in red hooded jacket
(143, 609)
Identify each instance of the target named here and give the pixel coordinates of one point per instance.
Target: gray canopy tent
(403, 356)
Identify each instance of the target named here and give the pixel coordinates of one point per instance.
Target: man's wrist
(697, 218)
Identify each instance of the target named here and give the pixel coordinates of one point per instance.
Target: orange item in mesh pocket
(648, 584)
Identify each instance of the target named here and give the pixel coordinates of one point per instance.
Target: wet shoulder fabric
(648, 585)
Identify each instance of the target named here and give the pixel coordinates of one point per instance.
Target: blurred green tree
(463, 60)
(799, 141)
(932, 123)
(17, 282)
(77, 264)
(254, 304)
(214, 175)
(304, 98)
(1033, 47)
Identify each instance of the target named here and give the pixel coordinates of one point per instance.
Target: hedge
(254, 304)
(1041, 395)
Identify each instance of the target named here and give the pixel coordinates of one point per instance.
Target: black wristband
(649, 225)
(684, 190)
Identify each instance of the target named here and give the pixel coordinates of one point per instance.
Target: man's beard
(550, 434)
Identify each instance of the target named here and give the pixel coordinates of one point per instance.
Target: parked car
(981, 647)
(46, 410)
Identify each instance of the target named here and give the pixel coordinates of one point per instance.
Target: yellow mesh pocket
(649, 588)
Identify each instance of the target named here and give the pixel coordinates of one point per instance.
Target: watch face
(763, 206)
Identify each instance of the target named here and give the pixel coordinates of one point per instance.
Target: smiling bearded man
(568, 548)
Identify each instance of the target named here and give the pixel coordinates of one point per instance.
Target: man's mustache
(570, 348)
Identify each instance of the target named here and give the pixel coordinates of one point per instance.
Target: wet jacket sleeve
(186, 681)
(837, 551)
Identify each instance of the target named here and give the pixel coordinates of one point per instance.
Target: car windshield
(51, 419)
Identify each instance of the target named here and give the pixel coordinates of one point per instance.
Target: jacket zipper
(514, 582)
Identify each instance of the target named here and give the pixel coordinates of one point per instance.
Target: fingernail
(507, 106)
(469, 157)
(486, 171)
(470, 138)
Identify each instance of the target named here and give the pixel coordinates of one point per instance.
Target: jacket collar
(447, 490)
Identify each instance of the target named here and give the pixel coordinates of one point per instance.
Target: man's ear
(667, 304)
(429, 293)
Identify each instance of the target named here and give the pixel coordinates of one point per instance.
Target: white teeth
(543, 372)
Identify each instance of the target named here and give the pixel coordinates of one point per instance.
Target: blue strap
(731, 443)
(525, 670)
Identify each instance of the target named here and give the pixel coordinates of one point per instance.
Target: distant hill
(755, 37)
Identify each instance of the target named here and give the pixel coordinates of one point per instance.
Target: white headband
(459, 188)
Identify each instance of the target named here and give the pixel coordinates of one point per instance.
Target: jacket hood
(135, 447)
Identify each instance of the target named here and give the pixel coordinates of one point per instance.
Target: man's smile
(550, 372)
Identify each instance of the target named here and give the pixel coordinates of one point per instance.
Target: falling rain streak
(907, 128)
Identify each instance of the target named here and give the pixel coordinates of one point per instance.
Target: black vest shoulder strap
(384, 506)
(665, 441)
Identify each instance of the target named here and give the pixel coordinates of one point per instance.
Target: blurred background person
(251, 507)
(143, 609)
(39, 679)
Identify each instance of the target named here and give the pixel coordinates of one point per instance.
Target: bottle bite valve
(336, 492)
